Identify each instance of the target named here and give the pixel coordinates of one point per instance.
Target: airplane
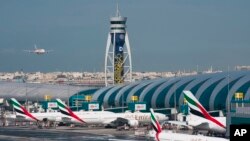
(106, 117)
(85, 117)
(24, 115)
(199, 118)
(161, 135)
(38, 51)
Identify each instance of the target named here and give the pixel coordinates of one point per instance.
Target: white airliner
(199, 118)
(160, 135)
(23, 114)
(106, 117)
(38, 51)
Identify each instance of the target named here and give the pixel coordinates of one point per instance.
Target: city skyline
(164, 35)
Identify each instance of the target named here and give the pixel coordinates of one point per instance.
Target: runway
(65, 134)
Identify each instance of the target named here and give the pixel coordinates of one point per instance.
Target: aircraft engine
(193, 123)
(133, 123)
(45, 119)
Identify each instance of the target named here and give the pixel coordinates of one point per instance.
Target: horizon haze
(165, 35)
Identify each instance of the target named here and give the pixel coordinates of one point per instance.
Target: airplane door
(184, 118)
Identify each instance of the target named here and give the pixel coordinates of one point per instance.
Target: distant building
(240, 68)
(37, 91)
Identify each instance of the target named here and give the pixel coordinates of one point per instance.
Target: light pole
(26, 95)
(228, 99)
(175, 116)
(68, 89)
(77, 100)
(122, 102)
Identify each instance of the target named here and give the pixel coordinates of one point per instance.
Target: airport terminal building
(213, 91)
(37, 91)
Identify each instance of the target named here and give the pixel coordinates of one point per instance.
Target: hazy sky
(165, 35)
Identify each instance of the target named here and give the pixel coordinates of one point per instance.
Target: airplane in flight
(24, 115)
(199, 117)
(106, 117)
(161, 135)
(38, 51)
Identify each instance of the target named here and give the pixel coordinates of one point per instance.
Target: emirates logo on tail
(197, 109)
(155, 124)
(21, 110)
(67, 111)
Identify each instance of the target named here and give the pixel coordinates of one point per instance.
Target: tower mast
(118, 61)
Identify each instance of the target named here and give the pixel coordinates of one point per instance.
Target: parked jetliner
(23, 114)
(105, 117)
(92, 117)
(161, 135)
(38, 51)
(199, 118)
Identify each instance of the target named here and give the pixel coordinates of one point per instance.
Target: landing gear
(195, 132)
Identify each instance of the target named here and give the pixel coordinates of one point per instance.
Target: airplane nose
(164, 117)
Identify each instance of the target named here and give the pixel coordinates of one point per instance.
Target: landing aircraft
(23, 114)
(161, 135)
(199, 118)
(106, 117)
(38, 51)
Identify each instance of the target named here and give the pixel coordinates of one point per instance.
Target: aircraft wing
(67, 119)
(120, 121)
(20, 118)
(182, 123)
(204, 125)
(110, 121)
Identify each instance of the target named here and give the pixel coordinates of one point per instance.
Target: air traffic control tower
(118, 63)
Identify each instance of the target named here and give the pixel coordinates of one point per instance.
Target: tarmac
(29, 133)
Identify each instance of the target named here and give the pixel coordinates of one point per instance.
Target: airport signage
(93, 106)
(139, 107)
(52, 105)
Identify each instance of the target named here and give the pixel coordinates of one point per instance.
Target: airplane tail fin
(195, 106)
(21, 110)
(155, 123)
(35, 46)
(67, 111)
(197, 109)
